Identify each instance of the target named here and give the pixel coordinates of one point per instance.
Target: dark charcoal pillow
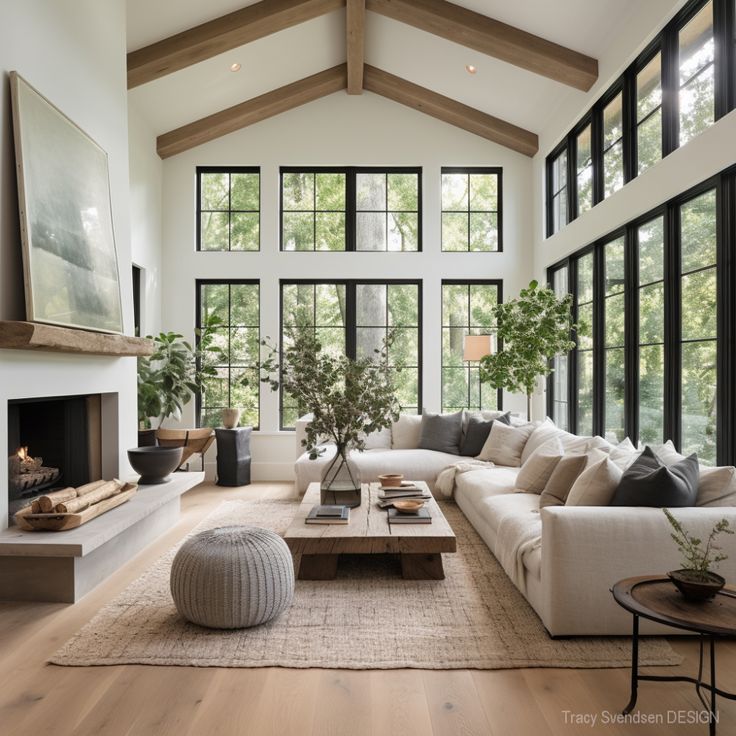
(441, 432)
(647, 482)
(476, 434)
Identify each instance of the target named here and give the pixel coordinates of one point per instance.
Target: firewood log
(50, 500)
(35, 506)
(89, 487)
(110, 488)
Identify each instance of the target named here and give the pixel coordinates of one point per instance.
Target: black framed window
(614, 330)
(237, 304)
(472, 209)
(228, 208)
(584, 295)
(676, 88)
(559, 379)
(349, 209)
(467, 309)
(351, 318)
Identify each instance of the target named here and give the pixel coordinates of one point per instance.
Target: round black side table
(233, 456)
(657, 599)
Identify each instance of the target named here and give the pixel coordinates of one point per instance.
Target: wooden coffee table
(317, 547)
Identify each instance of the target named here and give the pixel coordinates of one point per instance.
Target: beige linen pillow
(596, 484)
(505, 444)
(717, 486)
(541, 434)
(406, 431)
(562, 479)
(539, 466)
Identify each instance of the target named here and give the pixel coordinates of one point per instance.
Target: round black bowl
(154, 463)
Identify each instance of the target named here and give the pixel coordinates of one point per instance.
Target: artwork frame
(70, 262)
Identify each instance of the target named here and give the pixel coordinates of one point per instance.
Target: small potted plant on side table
(696, 581)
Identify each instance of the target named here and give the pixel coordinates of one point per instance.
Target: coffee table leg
(634, 666)
(318, 567)
(422, 567)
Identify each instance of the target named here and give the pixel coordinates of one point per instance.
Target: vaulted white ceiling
(498, 88)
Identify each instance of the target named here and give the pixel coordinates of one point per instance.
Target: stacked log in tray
(71, 507)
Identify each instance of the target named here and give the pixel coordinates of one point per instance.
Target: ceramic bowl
(154, 463)
(408, 506)
(391, 480)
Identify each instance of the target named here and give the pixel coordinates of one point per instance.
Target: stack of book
(388, 494)
(420, 517)
(328, 515)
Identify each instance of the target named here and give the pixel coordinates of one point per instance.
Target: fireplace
(59, 441)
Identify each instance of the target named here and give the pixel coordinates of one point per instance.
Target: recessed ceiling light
(470, 69)
(235, 67)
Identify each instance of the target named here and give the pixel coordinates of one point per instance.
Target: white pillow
(624, 453)
(717, 486)
(406, 431)
(539, 466)
(380, 440)
(505, 444)
(667, 453)
(541, 434)
(596, 485)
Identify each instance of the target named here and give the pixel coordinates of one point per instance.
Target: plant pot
(340, 483)
(146, 437)
(231, 418)
(692, 585)
(155, 464)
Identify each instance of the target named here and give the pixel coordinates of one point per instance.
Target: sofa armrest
(586, 549)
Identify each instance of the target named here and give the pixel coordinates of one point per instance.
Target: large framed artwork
(69, 258)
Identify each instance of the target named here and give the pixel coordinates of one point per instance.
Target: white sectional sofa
(563, 559)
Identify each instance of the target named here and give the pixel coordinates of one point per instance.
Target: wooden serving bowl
(408, 506)
(391, 480)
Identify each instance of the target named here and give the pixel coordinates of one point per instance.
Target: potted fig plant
(695, 580)
(349, 399)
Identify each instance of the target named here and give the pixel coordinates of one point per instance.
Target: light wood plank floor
(36, 698)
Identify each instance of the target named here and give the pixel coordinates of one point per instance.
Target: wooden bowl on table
(391, 480)
(408, 505)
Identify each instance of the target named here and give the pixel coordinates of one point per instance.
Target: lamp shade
(476, 347)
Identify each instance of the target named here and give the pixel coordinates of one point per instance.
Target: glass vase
(340, 483)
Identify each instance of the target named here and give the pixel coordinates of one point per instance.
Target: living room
(353, 213)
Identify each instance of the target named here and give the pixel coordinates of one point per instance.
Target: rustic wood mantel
(37, 336)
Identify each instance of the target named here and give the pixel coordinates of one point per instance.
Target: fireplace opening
(54, 442)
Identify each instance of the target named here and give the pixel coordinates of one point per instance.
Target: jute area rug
(368, 618)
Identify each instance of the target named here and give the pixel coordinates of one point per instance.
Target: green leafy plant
(348, 398)
(533, 328)
(175, 371)
(696, 557)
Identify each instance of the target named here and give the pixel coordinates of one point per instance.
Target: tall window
(699, 323)
(471, 209)
(236, 384)
(557, 190)
(467, 309)
(650, 297)
(584, 300)
(584, 171)
(559, 379)
(696, 74)
(614, 354)
(613, 146)
(350, 209)
(351, 318)
(228, 208)
(649, 113)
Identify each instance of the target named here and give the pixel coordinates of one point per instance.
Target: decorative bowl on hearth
(154, 464)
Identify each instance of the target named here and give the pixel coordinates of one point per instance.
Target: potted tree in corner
(533, 329)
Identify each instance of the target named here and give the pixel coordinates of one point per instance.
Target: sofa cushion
(624, 453)
(539, 466)
(441, 432)
(476, 434)
(717, 486)
(476, 485)
(596, 484)
(566, 472)
(648, 482)
(496, 509)
(406, 431)
(505, 444)
(541, 434)
(380, 440)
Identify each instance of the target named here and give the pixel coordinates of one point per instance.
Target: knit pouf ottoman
(232, 577)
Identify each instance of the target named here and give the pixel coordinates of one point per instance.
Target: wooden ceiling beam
(355, 45)
(450, 111)
(252, 111)
(494, 38)
(220, 35)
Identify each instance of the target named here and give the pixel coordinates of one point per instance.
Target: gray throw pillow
(648, 482)
(441, 432)
(477, 433)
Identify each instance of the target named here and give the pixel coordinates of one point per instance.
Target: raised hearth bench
(64, 566)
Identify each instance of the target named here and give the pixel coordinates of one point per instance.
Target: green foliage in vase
(348, 398)
(697, 557)
(175, 371)
(534, 328)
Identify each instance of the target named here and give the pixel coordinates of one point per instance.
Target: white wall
(340, 130)
(146, 176)
(74, 54)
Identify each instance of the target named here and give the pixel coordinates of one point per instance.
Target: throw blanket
(518, 536)
(445, 482)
